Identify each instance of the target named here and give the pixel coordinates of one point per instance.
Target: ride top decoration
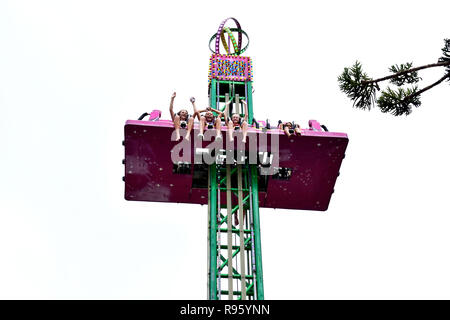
(226, 67)
(229, 66)
(270, 170)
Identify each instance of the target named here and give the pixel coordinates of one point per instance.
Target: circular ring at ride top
(220, 35)
(230, 37)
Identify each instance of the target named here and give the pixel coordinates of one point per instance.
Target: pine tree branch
(439, 64)
(361, 89)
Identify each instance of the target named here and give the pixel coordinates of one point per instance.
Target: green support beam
(213, 233)
(250, 102)
(257, 232)
(213, 93)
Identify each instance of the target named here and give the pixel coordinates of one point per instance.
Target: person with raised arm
(181, 119)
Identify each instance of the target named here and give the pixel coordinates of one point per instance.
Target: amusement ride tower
(269, 170)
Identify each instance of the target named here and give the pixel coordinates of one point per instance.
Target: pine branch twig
(447, 76)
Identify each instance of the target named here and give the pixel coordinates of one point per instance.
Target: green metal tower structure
(234, 255)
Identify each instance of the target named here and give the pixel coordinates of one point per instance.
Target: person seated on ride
(289, 128)
(208, 120)
(236, 122)
(181, 119)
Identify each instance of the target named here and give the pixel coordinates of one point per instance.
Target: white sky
(72, 73)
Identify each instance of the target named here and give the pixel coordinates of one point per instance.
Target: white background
(72, 73)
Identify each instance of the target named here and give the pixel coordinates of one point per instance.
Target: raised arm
(219, 113)
(225, 112)
(196, 112)
(172, 98)
(246, 110)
